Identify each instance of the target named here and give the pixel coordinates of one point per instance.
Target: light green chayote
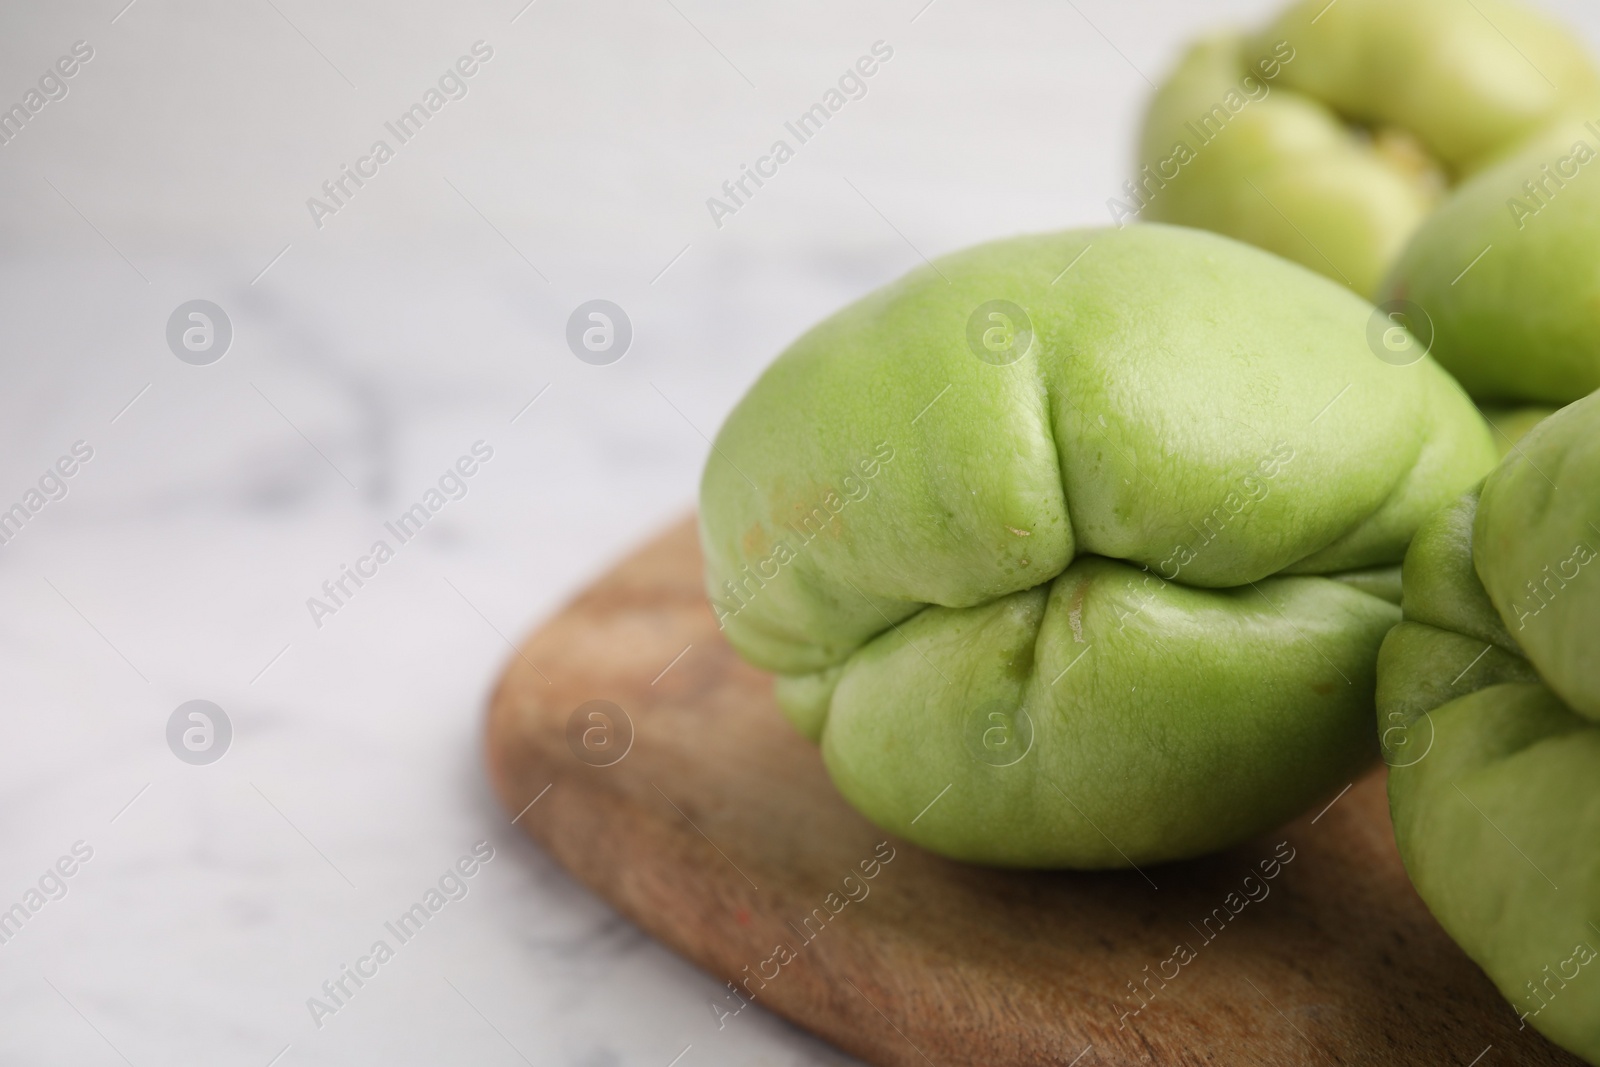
(1508, 270)
(1330, 135)
(1489, 704)
(1117, 601)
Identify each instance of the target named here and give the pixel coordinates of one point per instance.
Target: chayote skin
(1102, 577)
(1329, 136)
(1508, 270)
(1489, 704)
(1511, 424)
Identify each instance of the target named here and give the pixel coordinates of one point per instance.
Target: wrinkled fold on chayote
(1331, 134)
(1077, 549)
(1489, 713)
(1508, 271)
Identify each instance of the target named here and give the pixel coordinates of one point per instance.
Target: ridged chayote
(1093, 576)
(1330, 135)
(1489, 705)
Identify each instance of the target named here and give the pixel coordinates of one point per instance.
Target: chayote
(1511, 424)
(1077, 550)
(1330, 135)
(1489, 704)
(1508, 271)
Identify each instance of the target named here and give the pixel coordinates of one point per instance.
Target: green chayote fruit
(1329, 136)
(1508, 270)
(1511, 424)
(1489, 705)
(1074, 550)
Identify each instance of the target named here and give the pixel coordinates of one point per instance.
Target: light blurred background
(368, 354)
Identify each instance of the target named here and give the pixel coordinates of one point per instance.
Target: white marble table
(368, 354)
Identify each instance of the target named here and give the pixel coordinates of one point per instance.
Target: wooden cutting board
(715, 828)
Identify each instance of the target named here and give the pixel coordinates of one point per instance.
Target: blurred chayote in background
(1077, 550)
(1489, 714)
(1508, 271)
(1331, 134)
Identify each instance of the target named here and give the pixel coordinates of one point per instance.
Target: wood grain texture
(719, 832)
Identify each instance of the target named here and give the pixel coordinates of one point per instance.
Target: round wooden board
(719, 833)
